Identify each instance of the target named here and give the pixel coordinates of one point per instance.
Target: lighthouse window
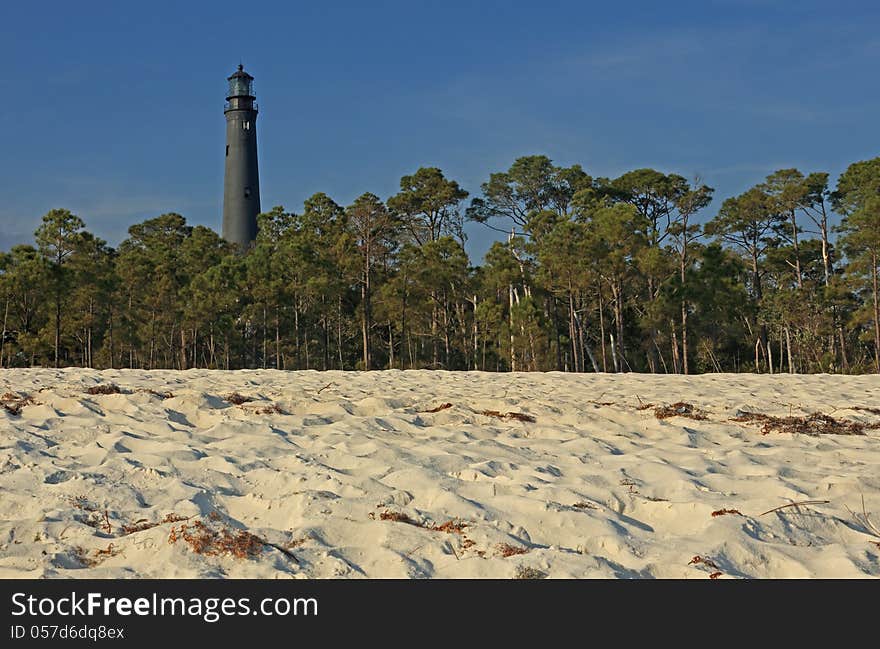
(227, 150)
(246, 126)
(247, 192)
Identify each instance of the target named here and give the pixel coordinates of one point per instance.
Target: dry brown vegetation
(703, 560)
(679, 409)
(397, 517)
(584, 505)
(814, 424)
(99, 520)
(91, 560)
(518, 416)
(144, 524)
(524, 572)
(104, 388)
(237, 399)
(13, 403)
(162, 395)
(449, 527)
(208, 541)
(442, 406)
(508, 550)
(724, 512)
(271, 409)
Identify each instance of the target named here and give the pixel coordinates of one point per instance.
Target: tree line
(593, 275)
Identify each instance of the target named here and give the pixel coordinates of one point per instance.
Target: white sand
(588, 490)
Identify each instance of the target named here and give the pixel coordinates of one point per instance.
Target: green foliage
(596, 274)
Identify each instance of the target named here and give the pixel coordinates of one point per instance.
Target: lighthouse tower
(241, 186)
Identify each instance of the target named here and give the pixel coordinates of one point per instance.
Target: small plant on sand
(237, 399)
(271, 409)
(13, 403)
(104, 388)
(208, 541)
(525, 572)
(508, 550)
(98, 556)
(864, 519)
(450, 527)
(97, 518)
(680, 409)
(158, 393)
(396, 517)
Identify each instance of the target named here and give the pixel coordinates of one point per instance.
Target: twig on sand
(324, 388)
(519, 416)
(864, 519)
(873, 411)
(643, 405)
(800, 502)
(723, 512)
(706, 561)
(442, 406)
(282, 550)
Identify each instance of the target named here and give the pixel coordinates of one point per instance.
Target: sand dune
(337, 474)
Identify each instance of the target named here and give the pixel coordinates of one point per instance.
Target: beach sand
(348, 475)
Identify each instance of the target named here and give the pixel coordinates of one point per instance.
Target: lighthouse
(241, 185)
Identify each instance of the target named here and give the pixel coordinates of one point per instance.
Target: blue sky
(115, 110)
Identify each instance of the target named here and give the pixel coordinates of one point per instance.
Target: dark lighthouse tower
(241, 186)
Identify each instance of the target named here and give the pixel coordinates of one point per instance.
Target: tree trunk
(339, 333)
(3, 334)
(57, 323)
(390, 347)
(614, 353)
(602, 330)
(182, 347)
(676, 363)
(876, 310)
(684, 338)
(265, 337)
(572, 331)
(788, 347)
(510, 316)
(797, 252)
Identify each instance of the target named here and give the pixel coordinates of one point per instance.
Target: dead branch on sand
(518, 416)
(864, 520)
(800, 502)
(723, 512)
(814, 424)
(442, 406)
